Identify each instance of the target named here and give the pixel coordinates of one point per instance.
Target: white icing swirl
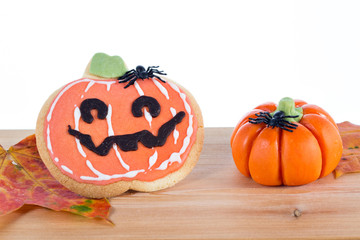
(48, 139)
(91, 83)
(48, 118)
(101, 176)
(111, 133)
(66, 169)
(147, 115)
(176, 132)
(152, 159)
(175, 157)
(138, 88)
(161, 88)
(77, 116)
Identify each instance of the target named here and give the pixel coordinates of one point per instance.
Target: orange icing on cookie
(145, 164)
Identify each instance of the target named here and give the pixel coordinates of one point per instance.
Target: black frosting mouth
(129, 142)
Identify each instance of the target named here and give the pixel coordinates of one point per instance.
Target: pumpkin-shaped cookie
(292, 143)
(101, 136)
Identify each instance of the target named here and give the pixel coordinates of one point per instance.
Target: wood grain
(213, 202)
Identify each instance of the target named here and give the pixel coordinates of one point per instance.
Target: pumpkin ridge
(325, 162)
(313, 109)
(252, 145)
(316, 137)
(310, 136)
(242, 122)
(250, 133)
(279, 153)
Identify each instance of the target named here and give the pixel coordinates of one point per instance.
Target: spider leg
(131, 82)
(159, 78)
(255, 121)
(150, 73)
(124, 80)
(148, 70)
(130, 72)
(289, 130)
(158, 72)
(258, 120)
(127, 75)
(290, 123)
(267, 116)
(260, 114)
(128, 78)
(287, 125)
(263, 116)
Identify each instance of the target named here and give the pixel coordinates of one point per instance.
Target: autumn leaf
(24, 179)
(350, 160)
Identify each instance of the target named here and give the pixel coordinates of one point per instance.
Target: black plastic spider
(140, 73)
(278, 120)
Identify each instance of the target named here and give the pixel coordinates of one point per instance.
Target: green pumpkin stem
(287, 105)
(106, 66)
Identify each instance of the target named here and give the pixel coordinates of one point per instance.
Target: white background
(232, 55)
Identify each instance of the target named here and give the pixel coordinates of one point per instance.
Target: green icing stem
(106, 66)
(287, 105)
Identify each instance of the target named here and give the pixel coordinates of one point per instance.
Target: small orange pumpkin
(293, 143)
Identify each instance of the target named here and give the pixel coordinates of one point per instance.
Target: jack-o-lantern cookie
(116, 130)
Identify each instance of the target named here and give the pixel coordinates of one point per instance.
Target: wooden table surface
(214, 202)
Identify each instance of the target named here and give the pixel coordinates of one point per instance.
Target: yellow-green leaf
(24, 179)
(350, 160)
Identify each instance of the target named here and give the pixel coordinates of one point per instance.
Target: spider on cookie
(140, 73)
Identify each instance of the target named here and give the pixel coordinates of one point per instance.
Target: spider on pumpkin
(140, 73)
(278, 120)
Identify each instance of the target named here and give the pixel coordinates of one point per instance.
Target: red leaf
(24, 179)
(350, 160)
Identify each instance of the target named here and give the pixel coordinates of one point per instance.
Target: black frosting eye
(144, 101)
(93, 103)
